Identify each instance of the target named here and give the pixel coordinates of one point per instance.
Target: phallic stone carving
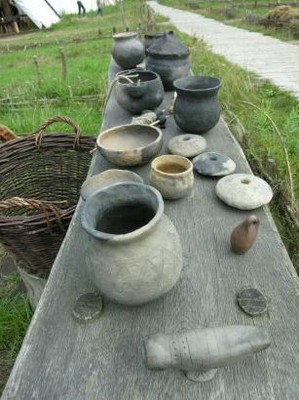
(244, 235)
(199, 352)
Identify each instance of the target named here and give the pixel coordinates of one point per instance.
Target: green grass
(15, 315)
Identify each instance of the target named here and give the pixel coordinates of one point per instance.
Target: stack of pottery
(128, 50)
(144, 92)
(169, 58)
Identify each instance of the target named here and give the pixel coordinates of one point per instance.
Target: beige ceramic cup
(172, 175)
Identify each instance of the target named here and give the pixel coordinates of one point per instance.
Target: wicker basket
(40, 180)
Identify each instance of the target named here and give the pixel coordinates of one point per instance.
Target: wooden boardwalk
(267, 57)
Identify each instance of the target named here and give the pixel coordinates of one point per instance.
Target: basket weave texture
(40, 180)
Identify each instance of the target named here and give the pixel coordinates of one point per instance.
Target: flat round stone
(244, 191)
(187, 145)
(88, 307)
(252, 301)
(213, 164)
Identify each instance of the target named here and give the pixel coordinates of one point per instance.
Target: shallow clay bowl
(130, 145)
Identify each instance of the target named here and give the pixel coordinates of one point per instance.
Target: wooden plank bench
(63, 359)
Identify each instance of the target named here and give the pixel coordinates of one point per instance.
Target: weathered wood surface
(63, 359)
(267, 57)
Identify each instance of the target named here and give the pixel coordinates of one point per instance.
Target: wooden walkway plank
(251, 50)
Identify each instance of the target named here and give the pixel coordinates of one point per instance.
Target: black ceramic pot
(169, 58)
(145, 93)
(196, 108)
(128, 50)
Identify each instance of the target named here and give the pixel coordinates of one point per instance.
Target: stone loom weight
(104, 359)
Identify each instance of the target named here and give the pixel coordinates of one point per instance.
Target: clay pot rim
(173, 156)
(137, 71)
(195, 79)
(126, 236)
(149, 127)
(125, 35)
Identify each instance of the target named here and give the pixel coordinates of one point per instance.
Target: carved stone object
(130, 145)
(133, 251)
(196, 108)
(128, 50)
(187, 145)
(144, 92)
(244, 191)
(214, 164)
(88, 307)
(172, 175)
(244, 235)
(199, 352)
(252, 301)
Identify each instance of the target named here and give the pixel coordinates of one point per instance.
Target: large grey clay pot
(128, 50)
(196, 108)
(145, 93)
(169, 58)
(133, 252)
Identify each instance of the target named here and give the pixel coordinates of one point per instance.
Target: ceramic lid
(168, 46)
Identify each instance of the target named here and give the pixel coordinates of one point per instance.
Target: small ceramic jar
(128, 50)
(172, 175)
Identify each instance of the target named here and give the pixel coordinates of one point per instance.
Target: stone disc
(187, 145)
(252, 301)
(244, 191)
(214, 164)
(88, 307)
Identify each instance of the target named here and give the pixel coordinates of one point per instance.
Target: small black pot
(128, 50)
(196, 108)
(145, 93)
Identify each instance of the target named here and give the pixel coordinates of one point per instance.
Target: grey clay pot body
(128, 50)
(135, 267)
(196, 108)
(136, 97)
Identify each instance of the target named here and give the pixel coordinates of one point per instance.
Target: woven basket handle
(58, 118)
(41, 205)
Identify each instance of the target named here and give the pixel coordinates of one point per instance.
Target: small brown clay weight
(244, 235)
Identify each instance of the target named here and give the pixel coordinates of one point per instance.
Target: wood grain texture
(104, 360)
(266, 56)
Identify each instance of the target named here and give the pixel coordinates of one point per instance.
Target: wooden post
(38, 75)
(63, 62)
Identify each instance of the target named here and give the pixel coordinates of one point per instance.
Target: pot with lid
(169, 58)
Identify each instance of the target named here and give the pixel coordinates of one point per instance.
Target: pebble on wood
(244, 235)
(187, 145)
(88, 307)
(214, 164)
(252, 301)
(244, 191)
